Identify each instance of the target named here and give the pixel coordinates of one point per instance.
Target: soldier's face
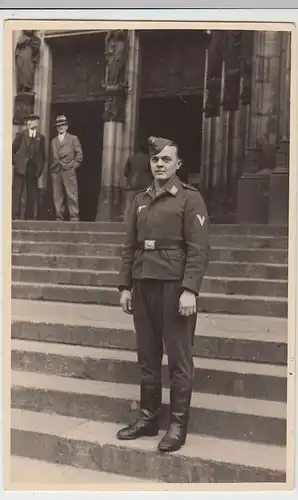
(165, 164)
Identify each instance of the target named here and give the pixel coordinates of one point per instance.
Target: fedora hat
(31, 117)
(61, 120)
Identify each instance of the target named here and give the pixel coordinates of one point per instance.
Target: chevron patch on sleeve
(201, 219)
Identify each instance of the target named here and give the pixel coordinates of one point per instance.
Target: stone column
(133, 91)
(217, 155)
(43, 91)
(253, 185)
(212, 120)
(206, 131)
(279, 177)
(231, 102)
(245, 98)
(132, 104)
(15, 36)
(115, 85)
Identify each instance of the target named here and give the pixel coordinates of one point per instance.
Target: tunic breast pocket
(174, 254)
(170, 214)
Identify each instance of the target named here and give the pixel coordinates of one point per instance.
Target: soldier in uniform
(165, 255)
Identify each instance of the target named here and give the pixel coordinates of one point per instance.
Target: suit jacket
(67, 154)
(25, 148)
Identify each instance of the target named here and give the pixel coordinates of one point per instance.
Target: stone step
(243, 419)
(207, 302)
(223, 285)
(255, 229)
(92, 445)
(116, 337)
(231, 378)
(229, 269)
(29, 473)
(234, 241)
(239, 338)
(105, 250)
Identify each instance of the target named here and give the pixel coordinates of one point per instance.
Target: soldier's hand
(125, 301)
(187, 303)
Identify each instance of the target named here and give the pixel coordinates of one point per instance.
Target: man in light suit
(67, 156)
(28, 159)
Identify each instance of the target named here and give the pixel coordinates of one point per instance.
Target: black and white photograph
(152, 326)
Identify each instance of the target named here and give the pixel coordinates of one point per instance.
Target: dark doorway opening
(85, 121)
(178, 118)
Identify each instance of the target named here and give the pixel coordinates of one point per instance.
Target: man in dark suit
(138, 176)
(67, 156)
(28, 159)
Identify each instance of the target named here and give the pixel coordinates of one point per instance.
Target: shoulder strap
(188, 186)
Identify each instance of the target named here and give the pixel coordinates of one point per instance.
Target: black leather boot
(147, 423)
(143, 426)
(175, 436)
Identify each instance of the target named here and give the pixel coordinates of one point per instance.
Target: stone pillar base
(252, 198)
(110, 204)
(279, 198)
(23, 106)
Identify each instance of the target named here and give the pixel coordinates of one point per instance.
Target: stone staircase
(74, 372)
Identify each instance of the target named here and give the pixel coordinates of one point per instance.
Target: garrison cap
(157, 144)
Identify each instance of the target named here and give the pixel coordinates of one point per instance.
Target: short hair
(175, 144)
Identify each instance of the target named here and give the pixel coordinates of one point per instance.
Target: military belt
(160, 244)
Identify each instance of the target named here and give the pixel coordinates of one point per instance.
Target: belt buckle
(149, 244)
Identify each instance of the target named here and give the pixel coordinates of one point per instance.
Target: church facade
(224, 96)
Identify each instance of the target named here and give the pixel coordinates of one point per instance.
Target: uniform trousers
(19, 181)
(158, 324)
(66, 179)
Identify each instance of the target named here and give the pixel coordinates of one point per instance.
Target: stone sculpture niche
(27, 54)
(115, 83)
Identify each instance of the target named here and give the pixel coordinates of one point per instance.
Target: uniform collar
(172, 187)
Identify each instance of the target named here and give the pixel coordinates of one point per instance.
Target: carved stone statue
(212, 107)
(232, 59)
(26, 57)
(116, 57)
(115, 77)
(246, 65)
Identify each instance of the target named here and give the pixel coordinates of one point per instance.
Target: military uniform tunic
(176, 222)
(166, 250)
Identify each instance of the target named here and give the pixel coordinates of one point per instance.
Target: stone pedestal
(23, 106)
(279, 187)
(279, 198)
(252, 198)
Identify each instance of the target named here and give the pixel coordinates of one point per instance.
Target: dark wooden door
(179, 119)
